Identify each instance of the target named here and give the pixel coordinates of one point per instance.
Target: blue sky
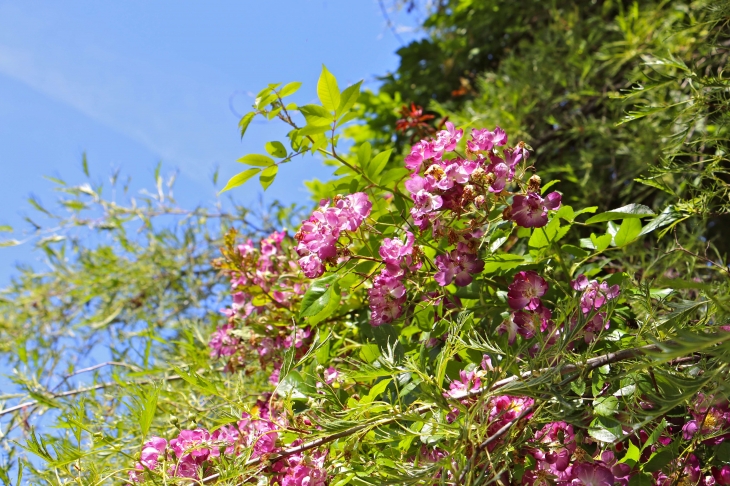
(134, 83)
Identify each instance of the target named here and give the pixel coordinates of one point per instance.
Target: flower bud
(479, 201)
(533, 185)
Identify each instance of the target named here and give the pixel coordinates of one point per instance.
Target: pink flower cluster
(388, 294)
(192, 449)
(531, 210)
(458, 266)
(193, 452)
(269, 268)
(318, 235)
(595, 294)
(710, 420)
(523, 295)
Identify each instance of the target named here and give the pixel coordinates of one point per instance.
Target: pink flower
(531, 211)
(526, 323)
(318, 235)
(468, 382)
(421, 151)
(151, 452)
(592, 475)
(225, 436)
(556, 442)
(721, 475)
(397, 255)
(457, 266)
(386, 299)
(331, 375)
(595, 294)
(258, 434)
(525, 290)
(595, 325)
(485, 140)
(222, 342)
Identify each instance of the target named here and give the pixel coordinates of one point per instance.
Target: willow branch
(588, 365)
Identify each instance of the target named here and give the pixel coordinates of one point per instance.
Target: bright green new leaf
(268, 176)
(349, 98)
(256, 160)
(290, 89)
(6, 228)
(633, 454)
(276, 149)
(377, 164)
(327, 90)
(239, 179)
(630, 211)
(542, 237)
(363, 154)
(316, 115)
(627, 232)
(312, 130)
(245, 122)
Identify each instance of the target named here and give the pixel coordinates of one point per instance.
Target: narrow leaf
(630, 211)
(239, 179)
(245, 122)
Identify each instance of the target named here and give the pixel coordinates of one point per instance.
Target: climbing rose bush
(443, 318)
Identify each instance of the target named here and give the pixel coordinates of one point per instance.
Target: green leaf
(364, 153)
(600, 243)
(6, 228)
(375, 391)
(268, 176)
(327, 90)
(575, 251)
(659, 459)
(349, 98)
(548, 185)
(276, 149)
(312, 130)
(641, 479)
(393, 175)
(245, 122)
(506, 261)
(566, 212)
(290, 89)
(542, 237)
(316, 297)
(668, 216)
(630, 211)
(239, 179)
(605, 406)
(316, 115)
(377, 164)
(601, 434)
(7, 243)
(85, 164)
(627, 232)
(632, 455)
(256, 160)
